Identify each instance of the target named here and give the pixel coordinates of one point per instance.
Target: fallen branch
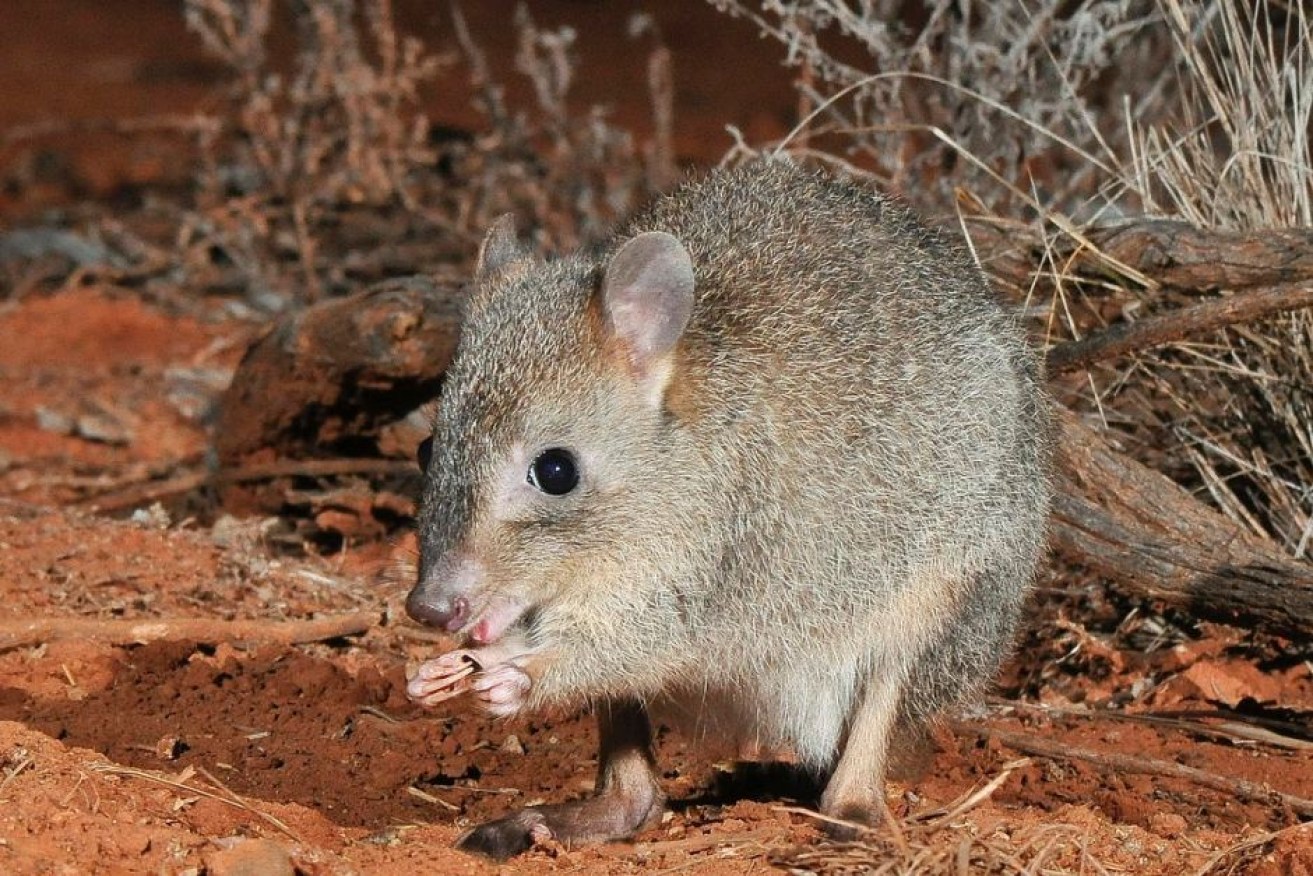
(1183, 256)
(1176, 325)
(324, 381)
(154, 491)
(338, 371)
(1126, 521)
(1167, 252)
(27, 632)
(1116, 762)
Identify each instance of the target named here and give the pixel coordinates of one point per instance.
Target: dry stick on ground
(1230, 727)
(153, 491)
(223, 795)
(1130, 763)
(25, 632)
(1175, 325)
(1136, 526)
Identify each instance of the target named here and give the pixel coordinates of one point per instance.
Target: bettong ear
(647, 297)
(500, 246)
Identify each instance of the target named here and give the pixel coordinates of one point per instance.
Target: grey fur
(847, 475)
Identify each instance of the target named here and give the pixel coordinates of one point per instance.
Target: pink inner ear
(647, 294)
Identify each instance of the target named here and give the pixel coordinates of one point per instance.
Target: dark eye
(424, 453)
(554, 472)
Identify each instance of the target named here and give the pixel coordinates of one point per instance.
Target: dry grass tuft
(1052, 850)
(1033, 122)
(1237, 406)
(945, 841)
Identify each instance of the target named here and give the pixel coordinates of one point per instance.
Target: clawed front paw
(494, 675)
(443, 677)
(502, 689)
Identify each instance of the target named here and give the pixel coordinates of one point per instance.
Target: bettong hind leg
(855, 792)
(628, 797)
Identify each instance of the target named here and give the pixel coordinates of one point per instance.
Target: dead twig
(701, 842)
(895, 832)
(1177, 325)
(429, 798)
(1231, 727)
(1248, 845)
(154, 491)
(223, 795)
(1131, 763)
(947, 816)
(13, 774)
(27, 632)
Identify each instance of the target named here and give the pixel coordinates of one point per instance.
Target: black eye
(424, 453)
(554, 472)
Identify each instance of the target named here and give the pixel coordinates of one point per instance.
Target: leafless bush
(342, 125)
(338, 129)
(1004, 98)
(339, 126)
(571, 177)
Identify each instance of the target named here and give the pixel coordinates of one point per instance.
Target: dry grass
(992, 97)
(1238, 405)
(946, 841)
(216, 790)
(1032, 121)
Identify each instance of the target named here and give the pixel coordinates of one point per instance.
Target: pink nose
(449, 614)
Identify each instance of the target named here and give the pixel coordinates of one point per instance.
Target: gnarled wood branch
(1126, 521)
(1178, 325)
(1183, 256)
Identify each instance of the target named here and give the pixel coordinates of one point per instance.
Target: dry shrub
(342, 125)
(1033, 119)
(987, 95)
(339, 126)
(571, 176)
(327, 166)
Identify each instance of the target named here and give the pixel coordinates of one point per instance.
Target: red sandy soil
(180, 757)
